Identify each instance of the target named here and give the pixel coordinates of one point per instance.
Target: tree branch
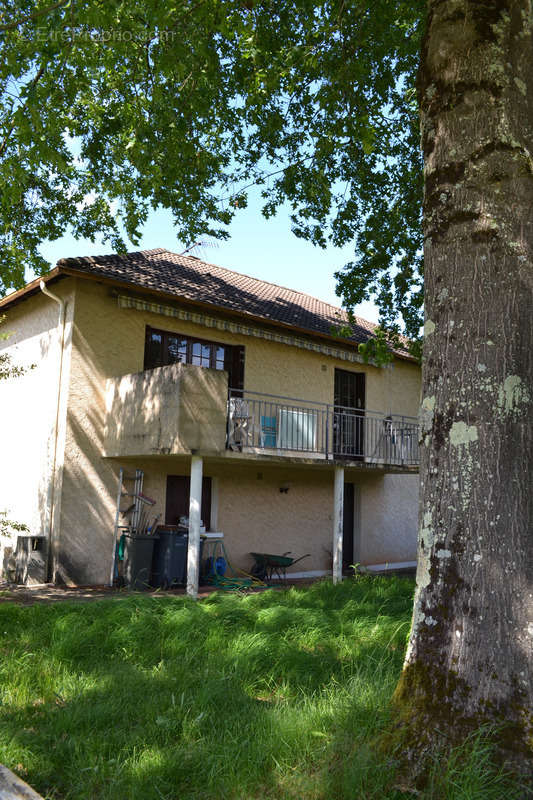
(12, 25)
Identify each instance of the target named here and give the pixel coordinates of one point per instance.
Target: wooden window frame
(189, 355)
(234, 355)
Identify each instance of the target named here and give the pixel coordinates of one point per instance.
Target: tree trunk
(470, 653)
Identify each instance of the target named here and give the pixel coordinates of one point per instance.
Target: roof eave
(60, 270)
(31, 288)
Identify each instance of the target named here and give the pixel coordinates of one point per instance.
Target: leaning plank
(13, 788)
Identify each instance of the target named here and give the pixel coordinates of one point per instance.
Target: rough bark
(470, 653)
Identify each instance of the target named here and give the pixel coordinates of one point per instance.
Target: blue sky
(265, 249)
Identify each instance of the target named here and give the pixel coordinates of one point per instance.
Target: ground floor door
(349, 415)
(348, 528)
(177, 502)
(351, 534)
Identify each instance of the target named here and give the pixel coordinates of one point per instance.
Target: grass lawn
(280, 694)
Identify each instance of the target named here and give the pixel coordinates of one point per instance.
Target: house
(170, 366)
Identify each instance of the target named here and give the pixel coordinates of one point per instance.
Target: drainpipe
(51, 550)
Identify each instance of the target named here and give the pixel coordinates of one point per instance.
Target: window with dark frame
(166, 347)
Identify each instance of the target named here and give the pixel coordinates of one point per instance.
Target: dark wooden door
(348, 528)
(235, 368)
(177, 503)
(348, 416)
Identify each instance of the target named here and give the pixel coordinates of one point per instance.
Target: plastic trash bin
(169, 565)
(138, 552)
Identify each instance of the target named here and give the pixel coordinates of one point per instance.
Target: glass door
(349, 415)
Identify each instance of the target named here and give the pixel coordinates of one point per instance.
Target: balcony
(179, 408)
(263, 424)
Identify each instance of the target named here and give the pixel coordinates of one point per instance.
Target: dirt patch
(50, 593)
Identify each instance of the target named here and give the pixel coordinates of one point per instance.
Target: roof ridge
(95, 258)
(270, 283)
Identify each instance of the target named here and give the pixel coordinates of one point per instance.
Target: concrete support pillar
(195, 505)
(338, 519)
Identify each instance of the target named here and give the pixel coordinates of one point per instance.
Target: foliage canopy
(109, 109)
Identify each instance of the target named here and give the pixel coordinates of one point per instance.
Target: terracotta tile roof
(192, 279)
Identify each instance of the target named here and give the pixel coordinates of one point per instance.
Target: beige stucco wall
(388, 517)
(108, 342)
(256, 517)
(89, 481)
(28, 407)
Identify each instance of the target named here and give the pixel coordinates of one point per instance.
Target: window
(164, 347)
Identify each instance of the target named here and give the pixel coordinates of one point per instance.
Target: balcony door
(348, 415)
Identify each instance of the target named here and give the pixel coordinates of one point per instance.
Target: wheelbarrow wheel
(258, 571)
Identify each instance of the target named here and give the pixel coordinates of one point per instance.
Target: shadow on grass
(233, 697)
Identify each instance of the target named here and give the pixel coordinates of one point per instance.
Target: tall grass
(272, 695)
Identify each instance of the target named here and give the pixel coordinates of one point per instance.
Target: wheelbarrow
(267, 565)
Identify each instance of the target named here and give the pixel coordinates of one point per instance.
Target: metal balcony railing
(284, 425)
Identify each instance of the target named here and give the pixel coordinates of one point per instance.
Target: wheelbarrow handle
(299, 559)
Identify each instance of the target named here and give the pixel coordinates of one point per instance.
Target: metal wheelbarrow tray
(268, 564)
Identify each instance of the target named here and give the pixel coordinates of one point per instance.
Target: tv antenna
(198, 245)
